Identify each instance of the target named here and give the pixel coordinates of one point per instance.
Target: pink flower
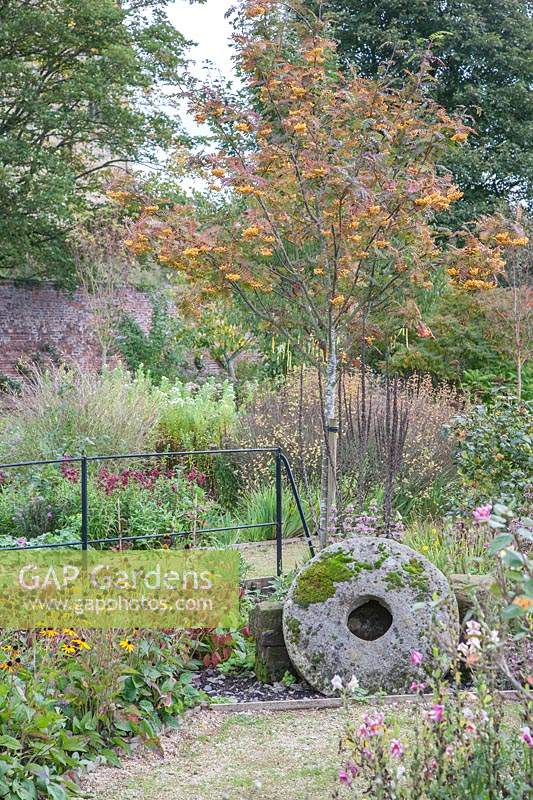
(482, 513)
(526, 736)
(436, 713)
(363, 731)
(374, 723)
(352, 768)
(345, 777)
(416, 658)
(22, 541)
(396, 748)
(417, 687)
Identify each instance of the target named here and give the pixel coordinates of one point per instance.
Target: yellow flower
(315, 54)
(266, 131)
(300, 127)
(48, 632)
(242, 126)
(68, 632)
(125, 644)
(374, 209)
(318, 271)
(68, 649)
(265, 251)
(249, 233)
(246, 189)
(191, 251)
(149, 209)
(460, 137)
(218, 172)
(337, 300)
(355, 237)
(233, 276)
(81, 644)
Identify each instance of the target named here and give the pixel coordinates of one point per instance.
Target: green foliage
(257, 506)
(196, 417)
(73, 73)
(461, 744)
(160, 352)
(45, 507)
(494, 453)
(109, 695)
(485, 62)
(453, 548)
(470, 346)
(512, 545)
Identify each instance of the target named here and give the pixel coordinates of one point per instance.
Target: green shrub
(196, 417)
(255, 507)
(494, 452)
(160, 352)
(128, 502)
(112, 687)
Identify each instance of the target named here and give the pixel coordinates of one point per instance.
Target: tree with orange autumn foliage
(336, 180)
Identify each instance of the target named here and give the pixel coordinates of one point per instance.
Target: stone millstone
(360, 607)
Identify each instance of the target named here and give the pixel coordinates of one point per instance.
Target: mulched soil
(244, 687)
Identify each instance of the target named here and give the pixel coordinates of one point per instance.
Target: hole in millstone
(370, 620)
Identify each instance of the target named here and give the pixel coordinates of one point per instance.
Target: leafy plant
(160, 352)
(494, 451)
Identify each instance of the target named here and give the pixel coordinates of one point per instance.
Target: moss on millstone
(383, 557)
(417, 577)
(317, 583)
(294, 628)
(394, 580)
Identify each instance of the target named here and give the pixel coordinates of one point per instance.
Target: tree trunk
(329, 446)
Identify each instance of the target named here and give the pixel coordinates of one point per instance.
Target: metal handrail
(281, 460)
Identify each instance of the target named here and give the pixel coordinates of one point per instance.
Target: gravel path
(258, 756)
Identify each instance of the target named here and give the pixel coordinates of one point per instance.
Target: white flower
(473, 628)
(257, 784)
(336, 682)
(353, 684)
(400, 772)
(495, 637)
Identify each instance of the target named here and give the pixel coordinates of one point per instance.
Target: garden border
(281, 461)
(305, 704)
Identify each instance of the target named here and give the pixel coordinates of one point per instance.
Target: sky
(205, 24)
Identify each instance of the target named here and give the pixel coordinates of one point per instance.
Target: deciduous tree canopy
(486, 68)
(79, 91)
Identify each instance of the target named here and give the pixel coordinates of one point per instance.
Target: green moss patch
(317, 582)
(413, 574)
(394, 580)
(417, 577)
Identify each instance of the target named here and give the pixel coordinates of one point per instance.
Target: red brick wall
(36, 320)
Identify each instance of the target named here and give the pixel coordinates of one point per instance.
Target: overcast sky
(205, 24)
